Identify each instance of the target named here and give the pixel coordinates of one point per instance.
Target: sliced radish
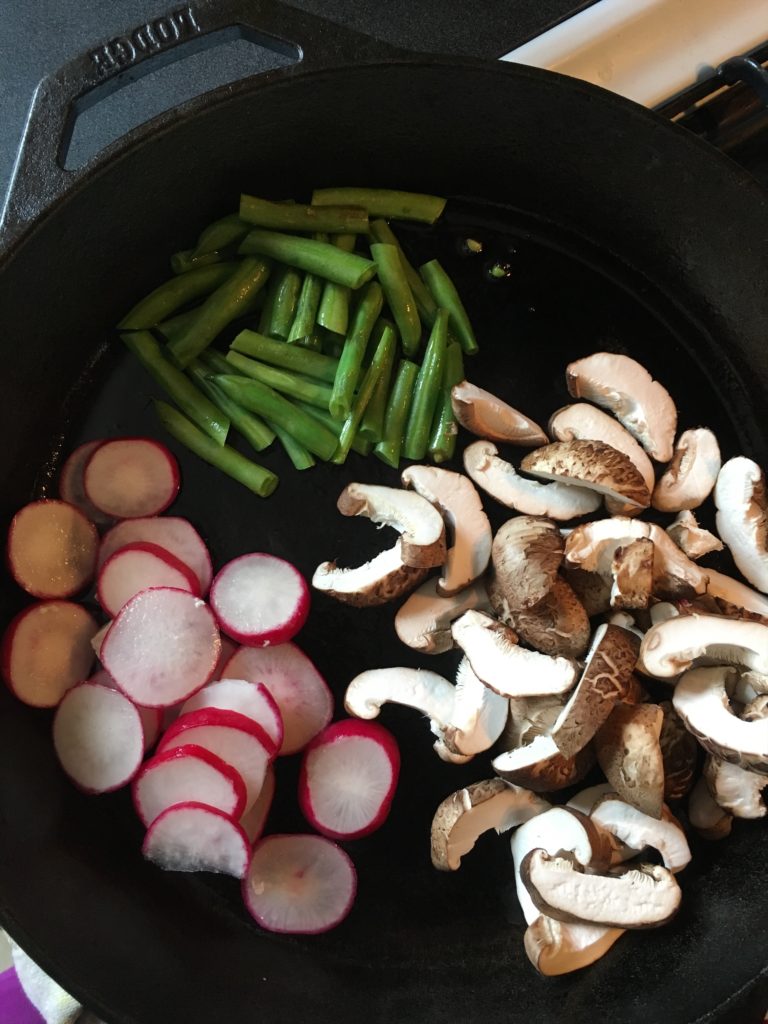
(151, 718)
(139, 566)
(300, 884)
(185, 773)
(71, 487)
(169, 532)
(98, 738)
(255, 818)
(46, 650)
(260, 600)
(131, 477)
(251, 699)
(301, 693)
(194, 837)
(52, 549)
(162, 646)
(348, 778)
(235, 738)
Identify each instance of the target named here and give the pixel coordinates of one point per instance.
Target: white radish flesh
(72, 488)
(131, 477)
(299, 884)
(98, 738)
(46, 650)
(151, 718)
(139, 566)
(52, 549)
(162, 647)
(255, 818)
(170, 532)
(250, 699)
(233, 737)
(188, 772)
(194, 837)
(348, 778)
(260, 600)
(301, 693)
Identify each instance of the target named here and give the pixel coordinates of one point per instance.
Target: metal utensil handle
(40, 179)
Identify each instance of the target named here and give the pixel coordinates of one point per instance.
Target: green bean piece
(277, 409)
(221, 234)
(381, 357)
(445, 295)
(372, 424)
(398, 295)
(300, 456)
(176, 324)
(426, 391)
(220, 308)
(254, 430)
(322, 258)
(312, 341)
(303, 325)
(177, 386)
(348, 371)
(396, 416)
(425, 304)
(295, 217)
(283, 297)
(177, 292)
(442, 440)
(255, 477)
(186, 260)
(384, 202)
(289, 357)
(333, 311)
(323, 416)
(284, 381)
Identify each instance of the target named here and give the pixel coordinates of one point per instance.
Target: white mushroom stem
(729, 591)
(638, 830)
(674, 646)
(416, 688)
(478, 716)
(423, 622)
(742, 518)
(691, 475)
(556, 948)
(498, 478)
(417, 521)
(692, 539)
(734, 789)
(709, 819)
(583, 422)
(485, 415)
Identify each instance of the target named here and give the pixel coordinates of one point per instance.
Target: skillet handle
(40, 179)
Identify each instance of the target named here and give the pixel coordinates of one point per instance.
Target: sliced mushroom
(416, 688)
(558, 625)
(609, 666)
(679, 753)
(498, 478)
(526, 554)
(638, 830)
(592, 589)
(756, 710)
(692, 539)
(592, 464)
(384, 578)
(735, 598)
(745, 686)
(701, 700)
(691, 475)
(417, 521)
(626, 621)
(556, 948)
(477, 718)
(465, 815)
(485, 415)
(640, 897)
(504, 666)
(709, 820)
(632, 570)
(529, 717)
(629, 752)
(423, 622)
(674, 646)
(541, 767)
(742, 518)
(622, 385)
(456, 498)
(734, 789)
(586, 799)
(663, 610)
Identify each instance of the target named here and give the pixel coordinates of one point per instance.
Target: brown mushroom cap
(592, 464)
(629, 753)
(592, 589)
(679, 753)
(632, 569)
(526, 554)
(558, 625)
(541, 767)
(383, 579)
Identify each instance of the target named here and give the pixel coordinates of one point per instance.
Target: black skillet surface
(620, 232)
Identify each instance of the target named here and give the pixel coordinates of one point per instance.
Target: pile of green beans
(306, 324)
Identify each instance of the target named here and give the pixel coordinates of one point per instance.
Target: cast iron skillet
(621, 232)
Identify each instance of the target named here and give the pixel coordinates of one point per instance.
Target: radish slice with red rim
(235, 738)
(181, 774)
(151, 718)
(251, 699)
(52, 549)
(348, 778)
(194, 837)
(162, 647)
(255, 818)
(71, 487)
(299, 884)
(131, 477)
(139, 566)
(46, 650)
(301, 693)
(98, 738)
(169, 532)
(260, 600)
